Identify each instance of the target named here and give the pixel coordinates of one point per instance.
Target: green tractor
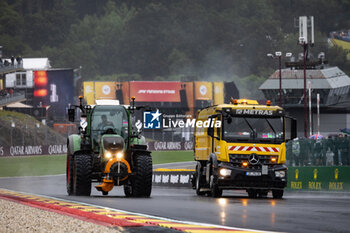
(108, 150)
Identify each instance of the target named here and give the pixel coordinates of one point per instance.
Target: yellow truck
(241, 145)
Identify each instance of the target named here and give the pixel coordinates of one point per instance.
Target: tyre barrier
(173, 177)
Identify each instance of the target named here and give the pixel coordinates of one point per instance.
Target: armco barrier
(319, 178)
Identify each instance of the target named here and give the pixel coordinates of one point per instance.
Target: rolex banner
(334, 178)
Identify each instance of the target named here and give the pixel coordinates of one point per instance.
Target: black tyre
(199, 181)
(214, 188)
(252, 193)
(104, 193)
(82, 175)
(277, 193)
(69, 175)
(128, 190)
(263, 193)
(142, 183)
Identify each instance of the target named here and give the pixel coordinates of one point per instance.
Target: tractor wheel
(214, 189)
(277, 193)
(69, 175)
(128, 190)
(199, 180)
(104, 193)
(142, 183)
(82, 175)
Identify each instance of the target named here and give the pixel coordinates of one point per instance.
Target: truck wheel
(82, 175)
(277, 193)
(69, 175)
(263, 193)
(142, 185)
(215, 190)
(199, 180)
(252, 193)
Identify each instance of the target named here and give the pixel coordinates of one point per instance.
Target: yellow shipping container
(89, 92)
(218, 93)
(105, 90)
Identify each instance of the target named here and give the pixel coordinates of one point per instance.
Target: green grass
(171, 156)
(32, 166)
(56, 164)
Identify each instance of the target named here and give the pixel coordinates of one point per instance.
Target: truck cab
(242, 147)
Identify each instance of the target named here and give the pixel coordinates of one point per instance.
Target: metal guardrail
(16, 97)
(10, 68)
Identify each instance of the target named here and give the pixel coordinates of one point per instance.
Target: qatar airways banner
(155, 146)
(33, 150)
(155, 91)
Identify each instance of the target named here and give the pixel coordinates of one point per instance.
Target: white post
(312, 30)
(310, 116)
(318, 113)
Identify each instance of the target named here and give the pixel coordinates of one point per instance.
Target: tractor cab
(108, 121)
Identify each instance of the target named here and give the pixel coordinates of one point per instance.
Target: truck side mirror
(291, 128)
(294, 128)
(71, 114)
(211, 131)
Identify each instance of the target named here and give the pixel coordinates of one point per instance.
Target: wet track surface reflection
(296, 212)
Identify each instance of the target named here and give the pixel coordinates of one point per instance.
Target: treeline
(168, 39)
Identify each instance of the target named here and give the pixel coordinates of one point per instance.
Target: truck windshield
(262, 129)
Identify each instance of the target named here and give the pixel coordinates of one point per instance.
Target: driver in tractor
(105, 124)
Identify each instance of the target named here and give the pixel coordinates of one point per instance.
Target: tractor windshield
(253, 129)
(109, 119)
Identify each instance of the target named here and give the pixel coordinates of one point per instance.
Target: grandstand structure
(15, 97)
(333, 87)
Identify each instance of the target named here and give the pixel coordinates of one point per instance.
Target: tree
(94, 42)
(11, 24)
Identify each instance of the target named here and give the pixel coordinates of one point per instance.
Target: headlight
(108, 155)
(119, 155)
(225, 172)
(280, 174)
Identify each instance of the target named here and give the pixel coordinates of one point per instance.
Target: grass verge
(159, 157)
(33, 165)
(56, 164)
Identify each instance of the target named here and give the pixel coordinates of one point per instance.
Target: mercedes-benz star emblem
(253, 159)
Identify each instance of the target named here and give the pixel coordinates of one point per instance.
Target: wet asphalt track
(297, 212)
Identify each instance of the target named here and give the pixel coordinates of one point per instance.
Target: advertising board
(155, 91)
